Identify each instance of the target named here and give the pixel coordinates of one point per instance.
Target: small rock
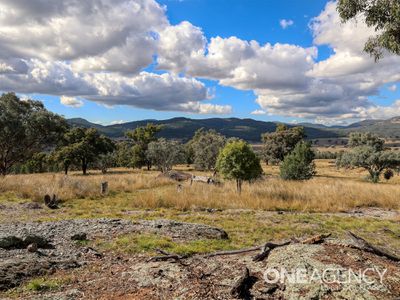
(79, 237)
(32, 247)
(11, 242)
(40, 241)
(32, 205)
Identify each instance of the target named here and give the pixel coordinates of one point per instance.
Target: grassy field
(331, 190)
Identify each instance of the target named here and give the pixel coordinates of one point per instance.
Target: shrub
(388, 174)
(299, 165)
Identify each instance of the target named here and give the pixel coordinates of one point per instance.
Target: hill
(247, 129)
(184, 128)
(385, 128)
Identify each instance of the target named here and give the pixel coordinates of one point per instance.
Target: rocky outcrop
(53, 245)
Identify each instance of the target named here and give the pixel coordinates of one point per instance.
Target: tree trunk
(3, 168)
(66, 169)
(374, 175)
(239, 186)
(84, 167)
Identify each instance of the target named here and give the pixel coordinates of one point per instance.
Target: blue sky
(323, 96)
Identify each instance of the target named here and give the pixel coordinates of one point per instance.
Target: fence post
(104, 188)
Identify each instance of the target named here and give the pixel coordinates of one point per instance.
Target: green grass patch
(149, 243)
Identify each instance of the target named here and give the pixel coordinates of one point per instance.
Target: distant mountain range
(247, 129)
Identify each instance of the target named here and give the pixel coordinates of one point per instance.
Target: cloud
(245, 65)
(117, 122)
(287, 79)
(338, 88)
(258, 112)
(71, 30)
(286, 23)
(144, 90)
(392, 88)
(71, 101)
(207, 108)
(102, 51)
(94, 50)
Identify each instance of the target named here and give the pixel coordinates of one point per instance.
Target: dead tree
(366, 246)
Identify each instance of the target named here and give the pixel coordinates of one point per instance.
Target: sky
(113, 61)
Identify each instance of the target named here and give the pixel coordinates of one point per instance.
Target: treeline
(34, 140)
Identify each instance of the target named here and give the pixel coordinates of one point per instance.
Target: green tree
(383, 16)
(38, 163)
(142, 137)
(124, 153)
(165, 154)
(65, 156)
(368, 157)
(368, 152)
(299, 164)
(26, 128)
(106, 161)
(205, 146)
(280, 143)
(237, 161)
(139, 159)
(83, 146)
(357, 139)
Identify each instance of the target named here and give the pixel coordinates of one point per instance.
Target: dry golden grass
(331, 190)
(76, 186)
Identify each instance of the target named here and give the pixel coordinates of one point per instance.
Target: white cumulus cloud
(71, 101)
(258, 112)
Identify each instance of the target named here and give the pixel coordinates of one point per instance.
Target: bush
(388, 174)
(299, 165)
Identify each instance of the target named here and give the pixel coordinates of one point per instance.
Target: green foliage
(238, 161)
(368, 153)
(165, 154)
(37, 164)
(124, 153)
(145, 134)
(106, 161)
(383, 16)
(138, 159)
(280, 143)
(142, 137)
(26, 129)
(82, 146)
(205, 147)
(43, 284)
(370, 158)
(299, 165)
(357, 139)
(326, 155)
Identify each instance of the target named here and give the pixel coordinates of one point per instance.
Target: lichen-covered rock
(331, 271)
